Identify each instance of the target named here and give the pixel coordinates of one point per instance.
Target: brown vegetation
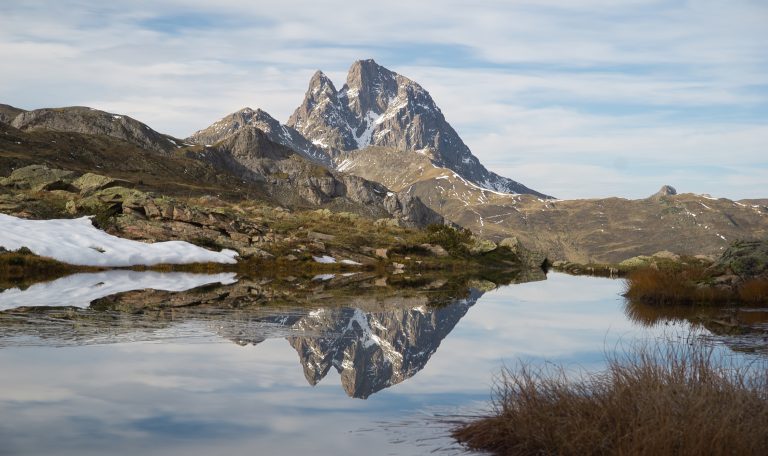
(665, 287)
(691, 286)
(679, 399)
(754, 291)
(23, 268)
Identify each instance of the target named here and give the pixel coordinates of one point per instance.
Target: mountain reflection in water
(375, 334)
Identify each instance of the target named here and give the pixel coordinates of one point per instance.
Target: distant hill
(602, 230)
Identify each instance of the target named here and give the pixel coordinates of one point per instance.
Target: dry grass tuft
(23, 268)
(754, 291)
(665, 287)
(677, 400)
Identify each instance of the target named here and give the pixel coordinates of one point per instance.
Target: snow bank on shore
(77, 241)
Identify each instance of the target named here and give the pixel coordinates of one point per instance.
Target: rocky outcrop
(43, 178)
(276, 132)
(377, 107)
(665, 190)
(39, 178)
(89, 183)
(322, 118)
(745, 259)
(94, 122)
(8, 113)
(138, 215)
(147, 218)
(249, 153)
(528, 257)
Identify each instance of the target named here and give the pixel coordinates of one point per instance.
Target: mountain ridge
(90, 121)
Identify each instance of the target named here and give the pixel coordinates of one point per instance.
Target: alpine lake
(151, 363)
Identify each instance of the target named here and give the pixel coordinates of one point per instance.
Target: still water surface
(371, 379)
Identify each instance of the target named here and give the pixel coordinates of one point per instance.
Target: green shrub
(451, 239)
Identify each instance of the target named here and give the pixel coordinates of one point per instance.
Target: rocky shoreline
(266, 237)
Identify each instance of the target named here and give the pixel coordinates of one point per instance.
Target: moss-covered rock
(482, 246)
(39, 177)
(745, 258)
(637, 262)
(531, 258)
(89, 183)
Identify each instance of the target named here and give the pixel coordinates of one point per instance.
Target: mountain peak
(378, 107)
(367, 67)
(257, 113)
(320, 81)
(369, 88)
(248, 118)
(665, 190)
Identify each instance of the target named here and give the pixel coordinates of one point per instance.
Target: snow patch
(345, 165)
(320, 143)
(325, 259)
(78, 242)
(365, 137)
(362, 322)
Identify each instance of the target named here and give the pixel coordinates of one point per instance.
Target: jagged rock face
(373, 350)
(322, 118)
(280, 134)
(381, 108)
(94, 122)
(250, 154)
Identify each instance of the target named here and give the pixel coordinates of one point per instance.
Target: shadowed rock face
(8, 113)
(277, 133)
(373, 350)
(250, 154)
(94, 122)
(377, 107)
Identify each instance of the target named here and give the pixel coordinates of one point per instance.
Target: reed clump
(675, 399)
(754, 291)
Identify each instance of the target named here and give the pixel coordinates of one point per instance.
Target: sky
(575, 99)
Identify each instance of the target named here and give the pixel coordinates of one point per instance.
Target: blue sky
(575, 99)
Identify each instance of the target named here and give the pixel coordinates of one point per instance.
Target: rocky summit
(276, 132)
(378, 107)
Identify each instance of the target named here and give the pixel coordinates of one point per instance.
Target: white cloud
(569, 83)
